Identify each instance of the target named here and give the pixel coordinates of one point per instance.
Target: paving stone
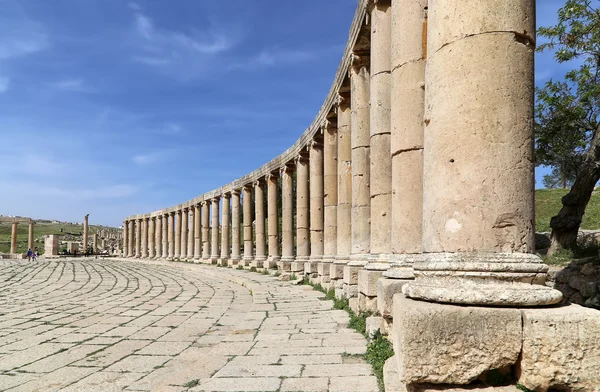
(305, 384)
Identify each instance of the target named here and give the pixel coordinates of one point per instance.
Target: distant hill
(547, 205)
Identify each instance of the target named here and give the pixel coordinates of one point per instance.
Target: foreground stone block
(351, 274)
(367, 282)
(336, 271)
(297, 266)
(449, 344)
(366, 303)
(561, 349)
(386, 289)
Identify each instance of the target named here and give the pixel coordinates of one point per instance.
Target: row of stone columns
(14, 236)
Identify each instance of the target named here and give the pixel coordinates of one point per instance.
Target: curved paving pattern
(106, 325)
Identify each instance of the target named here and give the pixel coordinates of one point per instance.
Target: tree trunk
(565, 225)
(563, 178)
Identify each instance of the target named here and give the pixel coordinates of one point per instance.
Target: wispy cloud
(150, 158)
(74, 85)
(275, 57)
(19, 35)
(4, 82)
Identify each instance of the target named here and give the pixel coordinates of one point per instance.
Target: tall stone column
(151, 237)
(197, 232)
(215, 230)
(316, 207)
(177, 239)
(171, 235)
(158, 232)
(361, 193)
(272, 220)
(125, 239)
(247, 204)
(30, 243)
(344, 195)
(131, 252)
(302, 215)
(478, 202)
(165, 236)
(380, 172)
(191, 230)
(185, 218)
(144, 238)
(138, 238)
(13, 238)
(95, 244)
(330, 189)
(235, 227)
(287, 218)
(86, 233)
(205, 231)
(259, 222)
(225, 218)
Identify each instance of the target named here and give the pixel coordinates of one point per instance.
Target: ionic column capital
(288, 168)
(215, 200)
(235, 192)
(258, 182)
(301, 158)
(360, 59)
(271, 175)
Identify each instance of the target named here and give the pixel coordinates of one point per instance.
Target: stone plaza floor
(112, 325)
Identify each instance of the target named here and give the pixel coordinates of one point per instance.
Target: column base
(297, 266)
(233, 262)
(401, 265)
(367, 288)
(256, 263)
(378, 261)
(496, 279)
(284, 265)
(271, 263)
(310, 267)
(323, 270)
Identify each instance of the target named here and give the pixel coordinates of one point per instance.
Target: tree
(570, 109)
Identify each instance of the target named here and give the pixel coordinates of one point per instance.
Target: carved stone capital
(360, 60)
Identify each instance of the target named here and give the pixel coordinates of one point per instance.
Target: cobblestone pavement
(110, 325)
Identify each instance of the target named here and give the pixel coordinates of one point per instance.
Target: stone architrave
(13, 238)
(225, 219)
(144, 251)
(171, 233)
(235, 227)
(214, 231)
(408, 56)
(138, 237)
(259, 222)
(158, 232)
(316, 207)
(302, 215)
(247, 214)
(191, 231)
(177, 239)
(185, 218)
(205, 231)
(344, 195)
(287, 218)
(272, 220)
(330, 189)
(165, 236)
(197, 232)
(125, 238)
(478, 203)
(30, 243)
(361, 194)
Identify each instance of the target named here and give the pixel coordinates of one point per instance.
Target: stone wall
(579, 282)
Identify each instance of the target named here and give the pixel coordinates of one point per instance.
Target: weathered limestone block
(449, 344)
(351, 274)
(386, 289)
(366, 303)
(373, 324)
(367, 282)
(336, 271)
(561, 349)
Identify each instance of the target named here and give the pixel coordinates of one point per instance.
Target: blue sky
(115, 108)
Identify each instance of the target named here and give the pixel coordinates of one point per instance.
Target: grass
(191, 384)
(379, 350)
(548, 204)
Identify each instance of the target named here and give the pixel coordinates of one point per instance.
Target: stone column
(191, 230)
(131, 252)
(380, 172)
(145, 238)
(272, 220)
(177, 239)
(344, 196)
(13, 238)
(165, 236)
(138, 238)
(95, 243)
(171, 235)
(185, 218)
(259, 211)
(247, 200)
(205, 231)
(316, 208)
(158, 231)
(235, 227)
(330, 180)
(478, 202)
(86, 233)
(197, 233)
(30, 243)
(287, 218)
(225, 218)
(408, 58)
(361, 193)
(302, 215)
(125, 237)
(215, 230)
(151, 238)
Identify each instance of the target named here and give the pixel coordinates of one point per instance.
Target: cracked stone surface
(140, 325)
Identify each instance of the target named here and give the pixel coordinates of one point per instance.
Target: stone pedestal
(197, 233)
(138, 239)
(191, 232)
(144, 252)
(30, 243)
(287, 218)
(171, 235)
(158, 241)
(205, 231)
(51, 245)
(367, 289)
(185, 218)
(165, 236)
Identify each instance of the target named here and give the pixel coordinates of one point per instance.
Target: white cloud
(19, 35)
(4, 82)
(76, 85)
(149, 158)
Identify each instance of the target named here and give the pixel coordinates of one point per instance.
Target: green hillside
(547, 205)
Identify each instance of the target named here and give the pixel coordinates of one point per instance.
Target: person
(29, 254)
(34, 256)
